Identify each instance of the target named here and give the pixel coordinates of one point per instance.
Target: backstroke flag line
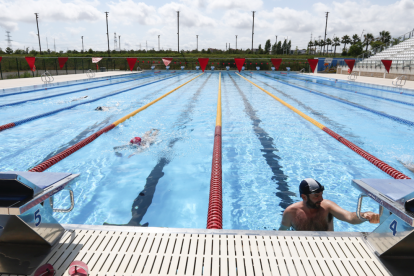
(350, 63)
(387, 64)
(31, 62)
(313, 63)
(131, 63)
(167, 61)
(62, 61)
(276, 63)
(96, 60)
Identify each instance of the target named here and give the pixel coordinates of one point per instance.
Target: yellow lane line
(316, 123)
(123, 119)
(218, 119)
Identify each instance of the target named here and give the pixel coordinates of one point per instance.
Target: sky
(216, 22)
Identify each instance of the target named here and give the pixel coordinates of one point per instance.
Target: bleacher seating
(401, 51)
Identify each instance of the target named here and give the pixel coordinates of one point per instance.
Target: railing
(374, 64)
(90, 74)
(47, 77)
(302, 71)
(400, 81)
(381, 48)
(353, 76)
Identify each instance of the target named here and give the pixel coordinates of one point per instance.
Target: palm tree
(336, 42)
(321, 44)
(368, 38)
(310, 45)
(355, 39)
(346, 40)
(328, 42)
(316, 43)
(385, 36)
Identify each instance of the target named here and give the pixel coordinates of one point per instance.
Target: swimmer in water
(138, 143)
(102, 108)
(81, 98)
(408, 165)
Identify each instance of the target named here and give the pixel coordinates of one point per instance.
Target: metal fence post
(83, 68)
(75, 64)
(44, 65)
(17, 63)
(107, 67)
(1, 71)
(56, 67)
(66, 67)
(125, 65)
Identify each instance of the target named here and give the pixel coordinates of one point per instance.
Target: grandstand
(402, 51)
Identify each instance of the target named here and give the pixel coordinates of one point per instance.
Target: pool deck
(124, 251)
(12, 83)
(370, 80)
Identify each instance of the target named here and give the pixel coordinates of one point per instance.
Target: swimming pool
(266, 148)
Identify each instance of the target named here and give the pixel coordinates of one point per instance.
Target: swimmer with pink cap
(138, 143)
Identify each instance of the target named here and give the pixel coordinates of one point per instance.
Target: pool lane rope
(70, 92)
(374, 160)
(353, 91)
(62, 155)
(13, 124)
(382, 114)
(215, 203)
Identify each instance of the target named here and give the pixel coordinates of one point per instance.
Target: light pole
(326, 26)
(38, 34)
(107, 32)
(197, 42)
(236, 42)
(119, 43)
(158, 43)
(253, 30)
(178, 30)
(83, 50)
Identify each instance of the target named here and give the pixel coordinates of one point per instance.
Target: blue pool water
(267, 148)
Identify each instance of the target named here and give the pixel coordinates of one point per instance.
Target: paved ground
(37, 81)
(379, 81)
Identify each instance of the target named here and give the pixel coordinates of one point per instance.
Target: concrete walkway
(37, 80)
(370, 80)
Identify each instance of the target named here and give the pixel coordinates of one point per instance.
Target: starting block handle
(359, 205)
(72, 204)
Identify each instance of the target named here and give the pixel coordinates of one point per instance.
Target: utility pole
(107, 32)
(362, 34)
(197, 42)
(253, 30)
(226, 46)
(276, 40)
(47, 45)
(83, 49)
(178, 30)
(119, 43)
(54, 43)
(158, 43)
(115, 41)
(326, 26)
(236, 42)
(38, 34)
(146, 46)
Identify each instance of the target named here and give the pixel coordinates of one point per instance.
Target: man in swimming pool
(315, 213)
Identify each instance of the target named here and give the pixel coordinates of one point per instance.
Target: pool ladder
(353, 76)
(47, 77)
(90, 74)
(400, 81)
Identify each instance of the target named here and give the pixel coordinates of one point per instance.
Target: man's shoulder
(293, 207)
(326, 203)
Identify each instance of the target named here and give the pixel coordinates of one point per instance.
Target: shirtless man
(316, 214)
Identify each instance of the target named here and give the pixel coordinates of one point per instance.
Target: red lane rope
(215, 205)
(374, 160)
(3, 127)
(60, 156)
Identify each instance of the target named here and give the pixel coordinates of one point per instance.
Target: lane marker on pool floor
(215, 204)
(75, 91)
(62, 155)
(13, 124)
(382, 114)
(374, 160)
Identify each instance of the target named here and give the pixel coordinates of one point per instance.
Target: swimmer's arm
(350, 217)
(286, 221)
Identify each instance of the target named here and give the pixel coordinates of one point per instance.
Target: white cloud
(188, 17)
(236, 4)
(127, 12)
(75, 31)
(13, 12)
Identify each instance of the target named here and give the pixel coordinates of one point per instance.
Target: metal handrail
(302, 71)
(400, 81)
(72, 204)
(46, 77)
(353, 76)
(90, 74)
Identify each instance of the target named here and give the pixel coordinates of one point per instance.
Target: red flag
(239, 63)
(276, 62)
(31, 62)
(203, 63)
(62, 61)
(313, 63)
(131, 63)
(387, 64)
(1, 58)
(350, 63)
